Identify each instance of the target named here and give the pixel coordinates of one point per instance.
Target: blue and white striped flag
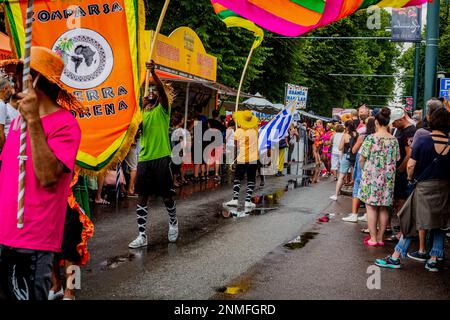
(276, 129)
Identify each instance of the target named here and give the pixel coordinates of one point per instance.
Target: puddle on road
(301, 240)
(114, 262)
(265, 202)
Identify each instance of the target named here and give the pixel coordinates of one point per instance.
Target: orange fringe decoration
(88, 226)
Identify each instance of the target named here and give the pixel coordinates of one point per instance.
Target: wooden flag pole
(23, 124)
(243, 76)
(153, 45)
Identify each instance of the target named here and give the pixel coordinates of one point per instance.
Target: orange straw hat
(246, 119)
(50, 66)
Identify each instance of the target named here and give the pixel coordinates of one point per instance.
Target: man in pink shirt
(53, 138)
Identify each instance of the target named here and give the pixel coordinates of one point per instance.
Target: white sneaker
(140, 241)
(52, 295)
(334, 197)
(232, 203)
(352, 217)
(173, 232)
(363, 218)
(250, 205)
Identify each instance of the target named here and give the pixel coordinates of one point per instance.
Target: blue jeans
(345, 165)
(436, 251)
(357, 175)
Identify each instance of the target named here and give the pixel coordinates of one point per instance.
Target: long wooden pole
(186, 105)
(153, 45)
(23, 124)
(243, 76)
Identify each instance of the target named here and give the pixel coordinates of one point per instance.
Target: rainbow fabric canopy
(296, 17)
(231, 20)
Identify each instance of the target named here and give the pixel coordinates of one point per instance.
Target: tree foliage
(230, 46)
(299, 61)
(310, 63)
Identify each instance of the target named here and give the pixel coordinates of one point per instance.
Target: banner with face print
(98, 42)
(406, 25)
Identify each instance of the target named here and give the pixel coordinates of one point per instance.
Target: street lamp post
(431, 53)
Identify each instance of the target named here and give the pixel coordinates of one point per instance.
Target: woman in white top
(335, 153)
(181, 140)
(230, 142)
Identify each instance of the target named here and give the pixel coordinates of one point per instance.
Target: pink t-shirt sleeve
(65, 142)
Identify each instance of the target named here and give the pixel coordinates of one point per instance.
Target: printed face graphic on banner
(88, 58)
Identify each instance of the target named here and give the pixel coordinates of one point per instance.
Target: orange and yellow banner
(98, 41)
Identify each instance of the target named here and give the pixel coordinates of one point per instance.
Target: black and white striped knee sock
(250, 188)
(171, 207)
(236, 189)
(142, 213)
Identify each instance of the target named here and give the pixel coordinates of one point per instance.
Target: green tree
(310, 63)
(230, 46)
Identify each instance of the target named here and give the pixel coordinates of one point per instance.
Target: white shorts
(335, 161)
(132, 158)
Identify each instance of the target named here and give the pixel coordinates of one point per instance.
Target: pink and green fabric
(233, 20)
(296, 17)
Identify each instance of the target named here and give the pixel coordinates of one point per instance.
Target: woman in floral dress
(379, 154)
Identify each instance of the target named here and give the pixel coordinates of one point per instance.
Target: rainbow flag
(296, 17)
(233, 20)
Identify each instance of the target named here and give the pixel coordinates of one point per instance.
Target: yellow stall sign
(182, 53)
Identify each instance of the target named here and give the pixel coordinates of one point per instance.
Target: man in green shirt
(154, 176)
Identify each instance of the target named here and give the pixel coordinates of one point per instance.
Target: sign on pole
(444, 88)
(406, 25)
(409, 104)
(296, 94)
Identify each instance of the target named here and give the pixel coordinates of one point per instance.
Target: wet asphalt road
(216, 251)
(333, 264)
(212, 250)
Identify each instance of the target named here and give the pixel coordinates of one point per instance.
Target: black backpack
(350, 155)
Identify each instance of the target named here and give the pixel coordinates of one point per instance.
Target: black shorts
(248, 169)
(176, 169)
(72, 237)
(401, 186)
(154, 178)
(25, 274)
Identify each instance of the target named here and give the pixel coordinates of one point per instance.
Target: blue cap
(376, 111)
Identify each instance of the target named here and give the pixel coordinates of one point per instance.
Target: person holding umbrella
(53, 138)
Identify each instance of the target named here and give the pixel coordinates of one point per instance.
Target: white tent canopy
(259, 104)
